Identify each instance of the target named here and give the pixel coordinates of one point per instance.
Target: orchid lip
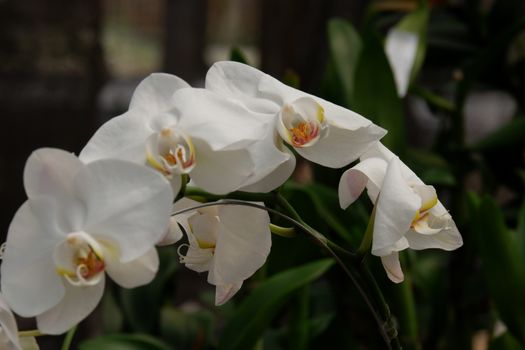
(302, 122)
(171, 152)
(80, 260)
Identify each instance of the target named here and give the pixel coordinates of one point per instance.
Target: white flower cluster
(103, 212)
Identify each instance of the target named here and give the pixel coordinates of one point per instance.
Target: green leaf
(416, 22)
(142, 305)
(376, 98)
(259, 308)
(124, 342)
(503, 265)
(508, 136)
(345, 47)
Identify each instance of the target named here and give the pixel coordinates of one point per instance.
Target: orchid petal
(126, 203)
(137, 272)
(342, 146)
(268, 181)
(76, 305)
(224, 292)
(401, 50)
(272, 88)
(393, 267)
(240, 81)
(172, 235)
(50, 172)
(122, 137)
(28, 259)
(243, 244)
(396, 207)
(446, 239)
(221, 172)
(154, 93)
(224, 124)
(378, 150)
(368, 173)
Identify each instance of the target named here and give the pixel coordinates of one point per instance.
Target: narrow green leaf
(376, 98)
(417, 22)
(503, 265)
(299, 334)
(508, 136)
(124, 342)
(345, 47)
(260, 307)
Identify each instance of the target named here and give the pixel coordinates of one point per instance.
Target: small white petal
(122, 137)
(396, 208)
(127, 203)
(77, 304)
(368, 173)
(224, 292)
(393, 267)
(173, 234)
(401, 50)
(132, 274)
(221, 172)
(50, 172)
(243, 244)
(154, 93)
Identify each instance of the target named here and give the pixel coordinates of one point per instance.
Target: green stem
(287, 232)
(434, 100)
(31, 333)
(364, 247)
(194, 192)
(69, 338)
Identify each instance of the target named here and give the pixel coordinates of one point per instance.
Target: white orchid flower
(230, 242)
(408, 213)
(180, 130)
(79, 223)
(9, 339)
(318, 130)
(401, 51)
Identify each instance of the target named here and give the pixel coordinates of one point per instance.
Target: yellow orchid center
(302, 122)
